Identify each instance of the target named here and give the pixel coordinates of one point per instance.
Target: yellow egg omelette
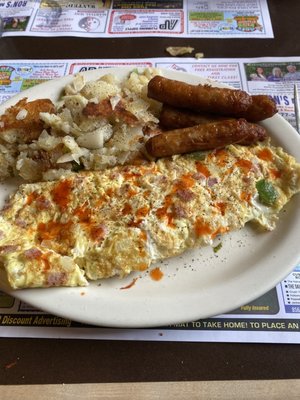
(94, 225)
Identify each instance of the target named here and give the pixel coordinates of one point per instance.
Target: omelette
(93, 225)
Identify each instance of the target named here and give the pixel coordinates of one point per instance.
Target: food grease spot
(156, 274)
(129, 285)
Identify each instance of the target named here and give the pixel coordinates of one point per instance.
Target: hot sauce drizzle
(202, 169)
(53, 230)
(265, 154)
(61, 193)
(202, 228)
(245, 165)
(156, 274)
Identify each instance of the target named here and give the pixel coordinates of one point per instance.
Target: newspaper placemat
(274, 317)
(118, 18)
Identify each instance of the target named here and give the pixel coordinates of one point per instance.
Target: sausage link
(262, 107)
(199, 97)
(174, 118)
(205, 137)
(255, 133)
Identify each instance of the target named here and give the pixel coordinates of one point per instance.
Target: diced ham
(32, 253)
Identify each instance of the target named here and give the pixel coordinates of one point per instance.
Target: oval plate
(198, 284)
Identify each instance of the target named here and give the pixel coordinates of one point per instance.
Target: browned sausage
(199, 97)
(205, 137)
(262, 107)
(174, 118)
(255, 133)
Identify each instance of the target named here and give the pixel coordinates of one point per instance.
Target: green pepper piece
(266, 191)
(217, 248)
(198, 155)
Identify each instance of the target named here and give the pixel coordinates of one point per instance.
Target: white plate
(198, 284)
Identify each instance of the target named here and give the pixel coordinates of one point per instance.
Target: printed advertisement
(70, 17)
(227, 19)
(108, 18)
